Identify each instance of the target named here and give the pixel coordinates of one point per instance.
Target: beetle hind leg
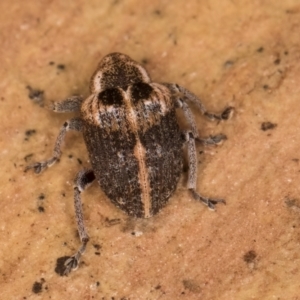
(192, 175)
(83, 179)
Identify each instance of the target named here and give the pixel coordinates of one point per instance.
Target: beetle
(134, 141)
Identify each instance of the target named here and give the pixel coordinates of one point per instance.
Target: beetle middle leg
(211, 140)
(192, 175)
(83, 179)
(72, 124)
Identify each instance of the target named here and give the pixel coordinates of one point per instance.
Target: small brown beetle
(133, 139)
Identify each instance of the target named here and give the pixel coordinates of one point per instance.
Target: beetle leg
(73, 124)
(71, 104)
(212, 139)
(83, 179)
(188, 115)
(178, 90)
(192, 175)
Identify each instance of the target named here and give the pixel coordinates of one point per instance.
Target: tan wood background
(241, 53)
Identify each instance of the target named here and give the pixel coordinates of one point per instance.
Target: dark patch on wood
(292, 203)
(97, 246)
(277, 61)
(157, 12)
(250, 256)
(60, 265)
(28, 157)
(41, 209)
(38, 286)
(61, 66)
(228, 64)
(29, 133)
(192, 286)
(267, 126)
(260, 50)
(112, 222)
(36, 95)
(145, 61)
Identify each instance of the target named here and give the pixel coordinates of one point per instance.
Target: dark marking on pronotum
(134, 141)
(111, 97)
(140, 91)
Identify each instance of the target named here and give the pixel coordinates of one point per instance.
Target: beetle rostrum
(134, 142)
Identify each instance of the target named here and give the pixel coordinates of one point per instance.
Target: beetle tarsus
(209, 202)
(72, 263)
(227, 113)
(212, 139)
(39, 167)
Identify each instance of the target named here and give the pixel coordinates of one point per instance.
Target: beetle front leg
(83, 179)
(192, 175)
(71, 104)
(73, 124)
(178, 91)
(212, 140)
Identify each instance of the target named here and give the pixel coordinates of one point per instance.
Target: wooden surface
(240, 53)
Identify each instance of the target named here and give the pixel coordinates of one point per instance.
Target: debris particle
(267, 126)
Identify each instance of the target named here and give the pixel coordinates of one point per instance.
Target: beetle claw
(37, 167)
(212, 202)
(71, 264)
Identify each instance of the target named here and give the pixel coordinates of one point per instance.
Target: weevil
(134, 140)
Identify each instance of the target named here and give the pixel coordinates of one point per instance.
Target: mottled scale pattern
(164, 159)
(116, 168)
(138, 155)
